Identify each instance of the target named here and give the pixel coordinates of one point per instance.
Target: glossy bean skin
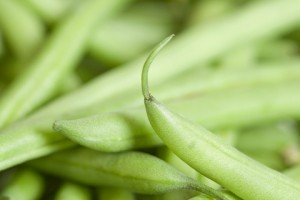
(210, 155)
(136, 171)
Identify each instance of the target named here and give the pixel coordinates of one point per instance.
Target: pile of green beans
(77, 120)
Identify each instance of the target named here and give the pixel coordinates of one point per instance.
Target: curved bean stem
(147, 64)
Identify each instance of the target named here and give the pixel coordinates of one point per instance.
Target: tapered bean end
(67, 129)
(148, 62)
(57, 126)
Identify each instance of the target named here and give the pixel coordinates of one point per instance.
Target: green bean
(212, 157)
(72, 191)
(59, 56)
(138, 172)
(44, 141)
(124, 133)
(16, 19)
(129, 128)
(69, 106)
(115, 194)
(26, 185)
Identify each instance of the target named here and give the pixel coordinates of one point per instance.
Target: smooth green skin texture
(115, 194)
(109, 133)
(129, 128)
(138, 172)
(26, 185)
(23, 31)
(72, 191)
(206, 39)
(59, 56)
(213, 157)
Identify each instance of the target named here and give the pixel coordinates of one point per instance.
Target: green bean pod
(122, 127)
(211, 156)
(138, 172)
(86, 101)
(72, 191)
